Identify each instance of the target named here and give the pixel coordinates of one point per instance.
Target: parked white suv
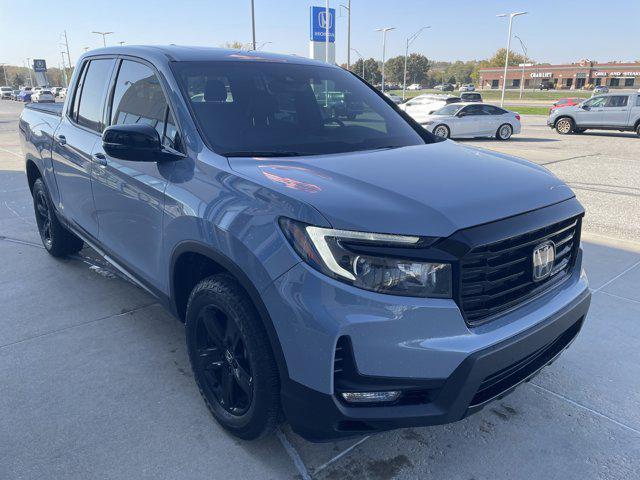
(5, 92)
(42, 95)
(614, 111)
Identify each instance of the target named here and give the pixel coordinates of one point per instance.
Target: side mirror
(135, 142)
(461, 114)
(585, 107)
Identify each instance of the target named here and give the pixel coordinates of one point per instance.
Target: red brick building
(571, 76)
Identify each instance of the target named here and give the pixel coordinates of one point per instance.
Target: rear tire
(57, 240)
(504, 132)
(638, 129)
(564, 126)
(442, 131)
(231, 358)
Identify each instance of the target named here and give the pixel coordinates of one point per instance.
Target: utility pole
(506, 59)
(406, 55)
(104, 37)
(121, 42)
(64, 72)
(253, 26)
(347, 7)
(66, 42)
(384, 31)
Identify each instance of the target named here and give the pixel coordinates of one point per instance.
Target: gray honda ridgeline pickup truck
(347, 272)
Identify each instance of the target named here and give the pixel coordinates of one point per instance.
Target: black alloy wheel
(222, 361)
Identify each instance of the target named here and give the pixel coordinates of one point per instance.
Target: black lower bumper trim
(480, 378)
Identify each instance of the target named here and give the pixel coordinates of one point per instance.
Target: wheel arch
(33, 173)
(208, 261)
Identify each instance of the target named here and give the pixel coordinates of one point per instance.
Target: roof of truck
(184, 53)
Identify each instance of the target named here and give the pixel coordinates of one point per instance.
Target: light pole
(29, 70)
(327, 21)
(104, 37)
(506, 59)
(347, 7)
(384, 31)
(525, 64)
(361, 58)
(406, 54)
(121, 42)
(253, 26)
(4, 70)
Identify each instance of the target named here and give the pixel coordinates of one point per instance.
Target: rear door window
(138, 99)
(617, 101)
(92, 96)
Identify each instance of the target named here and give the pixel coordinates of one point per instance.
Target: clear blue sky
(554, 31)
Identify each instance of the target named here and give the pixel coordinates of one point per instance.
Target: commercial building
(570, 76)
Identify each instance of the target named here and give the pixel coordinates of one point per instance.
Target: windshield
(450, 109)
(282, 109)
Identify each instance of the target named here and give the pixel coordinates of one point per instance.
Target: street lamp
(361, 58)
(104, 37)
(384, 31)
(29, 70)
(406, 54)
(253, 26)
(347, 7)
(506, 59)
(525, 64)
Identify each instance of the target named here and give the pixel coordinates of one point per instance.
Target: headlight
(328, 251)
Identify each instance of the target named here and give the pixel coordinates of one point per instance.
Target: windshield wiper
(265, 153)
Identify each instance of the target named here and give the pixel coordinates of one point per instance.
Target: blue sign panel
(39, 65)
(319, 24)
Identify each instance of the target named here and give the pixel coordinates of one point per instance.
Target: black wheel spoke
(227, 388)
(243, 378)
(210, 358)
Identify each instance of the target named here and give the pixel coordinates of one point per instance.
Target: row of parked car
(32, 94)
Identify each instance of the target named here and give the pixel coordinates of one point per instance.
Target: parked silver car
(613, 111)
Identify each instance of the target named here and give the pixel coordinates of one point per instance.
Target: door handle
(100, 159)
(61, 139)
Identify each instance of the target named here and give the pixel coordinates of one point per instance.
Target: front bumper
(483, 376)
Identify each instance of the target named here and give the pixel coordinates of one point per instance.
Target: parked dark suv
(348, 275)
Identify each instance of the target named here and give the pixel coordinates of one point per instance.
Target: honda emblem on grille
(544, 256)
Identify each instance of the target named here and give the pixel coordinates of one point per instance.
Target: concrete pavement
(95, 381)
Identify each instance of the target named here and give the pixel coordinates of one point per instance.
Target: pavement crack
(584, 407)
(570, 158)
(88, 322)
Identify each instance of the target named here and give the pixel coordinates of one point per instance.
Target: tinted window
(617, 101)
(491, 110)
(244, 107)
(94, 88)
(474, 110)
(138, 98)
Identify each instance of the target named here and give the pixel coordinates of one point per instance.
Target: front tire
(564, 126)
(638, 129)
(231, 358)
(442, 131)
(57, 240)
(504, 132)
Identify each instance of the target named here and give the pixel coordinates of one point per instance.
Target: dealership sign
(541, 74)
(39, 65)
(319, 23)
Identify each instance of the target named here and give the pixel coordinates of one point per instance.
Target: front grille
(498, 276)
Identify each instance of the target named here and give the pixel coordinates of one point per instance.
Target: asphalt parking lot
(95, 380)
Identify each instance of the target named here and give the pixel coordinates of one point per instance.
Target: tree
(417, 69)
(497, 60)
(236, 45)
(460, 72)
(18, 79)
(371, 70)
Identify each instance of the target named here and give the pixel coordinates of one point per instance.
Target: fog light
(366, 397)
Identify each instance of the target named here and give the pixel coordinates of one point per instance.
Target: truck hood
(430, 190)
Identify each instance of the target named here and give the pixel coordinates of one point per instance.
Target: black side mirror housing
(135, 142)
